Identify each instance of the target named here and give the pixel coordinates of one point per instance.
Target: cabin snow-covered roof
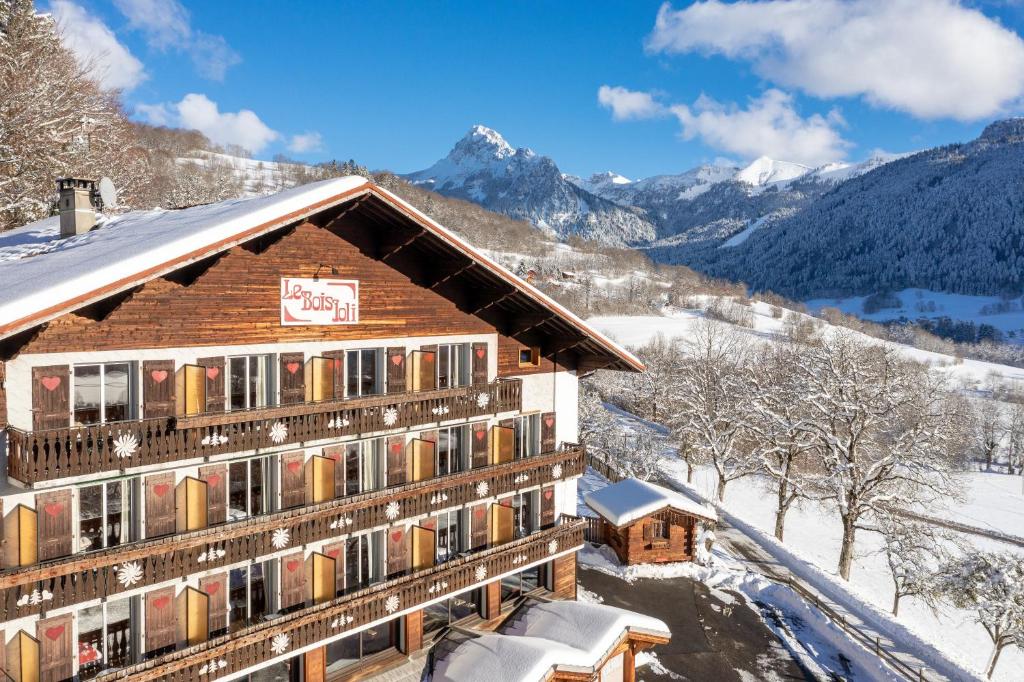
(557, 634)
(631, 499)
(44, 276)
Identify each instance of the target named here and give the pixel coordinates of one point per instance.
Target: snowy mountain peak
(482, 144)
(765, 170)
(609, 177)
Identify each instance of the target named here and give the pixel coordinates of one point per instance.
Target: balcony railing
(277, 638)
(80, 578)
(35, 456)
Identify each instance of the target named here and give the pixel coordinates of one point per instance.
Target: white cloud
(931, 58)
(305, 142)
(769, 126)
(166, 24)
(96, 46)
(198, 112)
(627, 104)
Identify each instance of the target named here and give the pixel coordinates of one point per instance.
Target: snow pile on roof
(38, 269)
(562, 634)
(631, 499)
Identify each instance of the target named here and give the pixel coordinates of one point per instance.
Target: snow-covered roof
(559, 634)
(630, 499)
(44, 276)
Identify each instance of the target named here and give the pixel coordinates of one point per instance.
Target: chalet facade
(291, 437)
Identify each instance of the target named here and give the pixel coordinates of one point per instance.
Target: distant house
(646, 523)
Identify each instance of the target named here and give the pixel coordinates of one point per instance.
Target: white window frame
(531, 440)
(130, 518)
(378, 375)
(268, 384)
(458, 364)
(133, 410)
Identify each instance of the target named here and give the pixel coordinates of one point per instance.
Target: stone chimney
(76, 202)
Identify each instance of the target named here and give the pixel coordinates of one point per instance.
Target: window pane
(90, 514)
(352, 373)
(377, 639)
(238, 491)
(257, 487)
(456, 443)
(442, 452)
(368, 371)
(531, 578)
(87, 394)
(238, 382)
(115, 392)
(435, 616)
(443, 367)
(119, 650)
(90, 640)
(259, 605)
(510, 587)
(351, 564)
(465, 605)
(255, 382)
(238, 596)
(117, 515)
(342, 653)
(352, 468)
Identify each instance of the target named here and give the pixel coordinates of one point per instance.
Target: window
(250, 382)
(364, 466)
(364, 555)
(348, 651)
(529, 357)
(655, 530)
(105, 514)
(249, 488)
(452, 365)
(518, 584)
(363, 372)
(108, 636)
(449, 532)
(103, 393)
(248, 596)
(527, 435)
(525, 513)
(452, 451)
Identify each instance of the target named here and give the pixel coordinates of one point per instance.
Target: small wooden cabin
(645, 523)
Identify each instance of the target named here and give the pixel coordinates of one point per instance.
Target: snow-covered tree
(992, 587)
(888, 429)
(913, 552)
(988, 429)
(1015, 439)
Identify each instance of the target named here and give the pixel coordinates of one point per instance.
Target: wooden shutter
(160, 517)
(192, 505)
(321, 577)
(338, 356)
(547, 432)
(53, 510)
(216, 477)
(478, 446)
(51, 397)
(337, 453)
(293, 487)
(428, 367)
(160, 620)
(398, 551)
(293, 378)
(321, 477)
(547, 507)
(501, 523)
(56, 649)
(216, 381)
(479, 363)
(503, 444)
(396, 369)
(424, 544)
(397, 464)
(420, 465)
(216, 588)
(158, 388)
(293, 580)
(478, 526)
(336, 551)
(196, 611)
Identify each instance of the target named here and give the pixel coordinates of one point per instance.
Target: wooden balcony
(78, 578)
(255, 645)
(34, 456)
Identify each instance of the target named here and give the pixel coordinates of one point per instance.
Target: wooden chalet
(288, 437)
(646, 523)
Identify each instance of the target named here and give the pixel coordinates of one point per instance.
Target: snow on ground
(741, 237)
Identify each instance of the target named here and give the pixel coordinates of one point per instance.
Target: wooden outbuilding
(645, 523)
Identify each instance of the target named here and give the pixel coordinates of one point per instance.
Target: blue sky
(394, 85)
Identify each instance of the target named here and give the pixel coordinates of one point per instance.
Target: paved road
(712, 635)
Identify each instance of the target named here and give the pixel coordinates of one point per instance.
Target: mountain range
(946, 219)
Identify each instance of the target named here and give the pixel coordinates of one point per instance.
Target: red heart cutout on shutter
(396, 360)
(50, 383)
(213, 480)
(293, 566)
(333, 455)
(161, 602)
(292, 367)
(212, 589)
(396, 536)
(334, 553)
(160, 489)
(481, 352)
(54, 633)
(294, 466)
(158, 375)
(479, 512)
(53, 508)
(396, 448)
(429, 525)
(480, 434)
(549, 421)
(547, 494)
(212, 373)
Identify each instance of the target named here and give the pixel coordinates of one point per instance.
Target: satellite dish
(108, 193)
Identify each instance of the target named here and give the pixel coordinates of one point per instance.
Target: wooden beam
(401, 245)
(449, 275)
(520, 324)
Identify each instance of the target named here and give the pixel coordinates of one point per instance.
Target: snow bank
(631, 499)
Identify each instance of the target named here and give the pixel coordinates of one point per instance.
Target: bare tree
(913, 552)
(1015, 439)
(988, 429)
(888, 429)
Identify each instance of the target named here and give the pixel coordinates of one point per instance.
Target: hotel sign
(319, 301)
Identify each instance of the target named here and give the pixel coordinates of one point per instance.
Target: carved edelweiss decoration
(129, 573)
(280, 538)
(390, 416)
(479, 573)
(392, 510)
(278, 432)
(482, 489)
(391, 604)
(279, 644)
(482, 400)
(556, 471)
(125, 445)
(552, 546)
